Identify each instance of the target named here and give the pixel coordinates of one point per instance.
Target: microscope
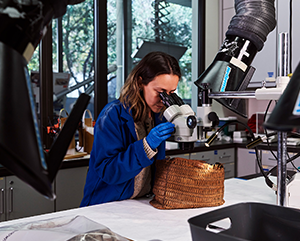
(188, 127)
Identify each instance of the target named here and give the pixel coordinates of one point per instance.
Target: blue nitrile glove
(159, 134)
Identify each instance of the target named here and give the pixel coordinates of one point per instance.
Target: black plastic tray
(247, 221)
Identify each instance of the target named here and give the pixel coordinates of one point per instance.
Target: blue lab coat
(117, 157)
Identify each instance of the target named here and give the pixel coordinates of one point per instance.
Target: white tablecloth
(138, 220)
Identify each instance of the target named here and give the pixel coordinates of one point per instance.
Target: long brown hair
(152, 65)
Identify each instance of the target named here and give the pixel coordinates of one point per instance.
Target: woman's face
(164, 82)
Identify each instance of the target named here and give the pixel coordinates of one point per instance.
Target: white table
(138, 220)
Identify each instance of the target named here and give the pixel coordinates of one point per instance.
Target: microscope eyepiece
(177, 99)
(166, 99)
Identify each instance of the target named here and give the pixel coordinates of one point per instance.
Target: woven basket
(185, 183)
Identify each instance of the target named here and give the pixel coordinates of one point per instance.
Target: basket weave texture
(184, 183)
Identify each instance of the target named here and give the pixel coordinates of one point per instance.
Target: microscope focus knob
(213, 117)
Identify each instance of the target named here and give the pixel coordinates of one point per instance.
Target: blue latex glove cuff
(159, 134)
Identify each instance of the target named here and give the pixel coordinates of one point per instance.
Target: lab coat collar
(126, 115)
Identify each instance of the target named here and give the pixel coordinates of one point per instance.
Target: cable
(296, 168)
(292, 162)
(288, 161)
(268, 143)
(257, 141)
(213, 137)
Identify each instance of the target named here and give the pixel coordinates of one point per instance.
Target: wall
(283, 14)
(213, 19)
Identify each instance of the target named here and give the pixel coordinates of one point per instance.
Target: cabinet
(269, 161)
(227, 158)
(2, 199)
(18, 199)
(246, 162)
(69, 187)
(186, 155)
(207, 156)
(223, 156)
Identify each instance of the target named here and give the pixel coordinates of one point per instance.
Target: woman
(130, 133)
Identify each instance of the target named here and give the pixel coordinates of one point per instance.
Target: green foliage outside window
(78, 38)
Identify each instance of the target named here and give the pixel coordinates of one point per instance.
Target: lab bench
(137, 219)
(17, 199)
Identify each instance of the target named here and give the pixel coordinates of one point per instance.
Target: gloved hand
(159, 134)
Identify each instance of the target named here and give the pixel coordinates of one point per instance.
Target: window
(77, 42)
(154, 23)
(138, 22)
